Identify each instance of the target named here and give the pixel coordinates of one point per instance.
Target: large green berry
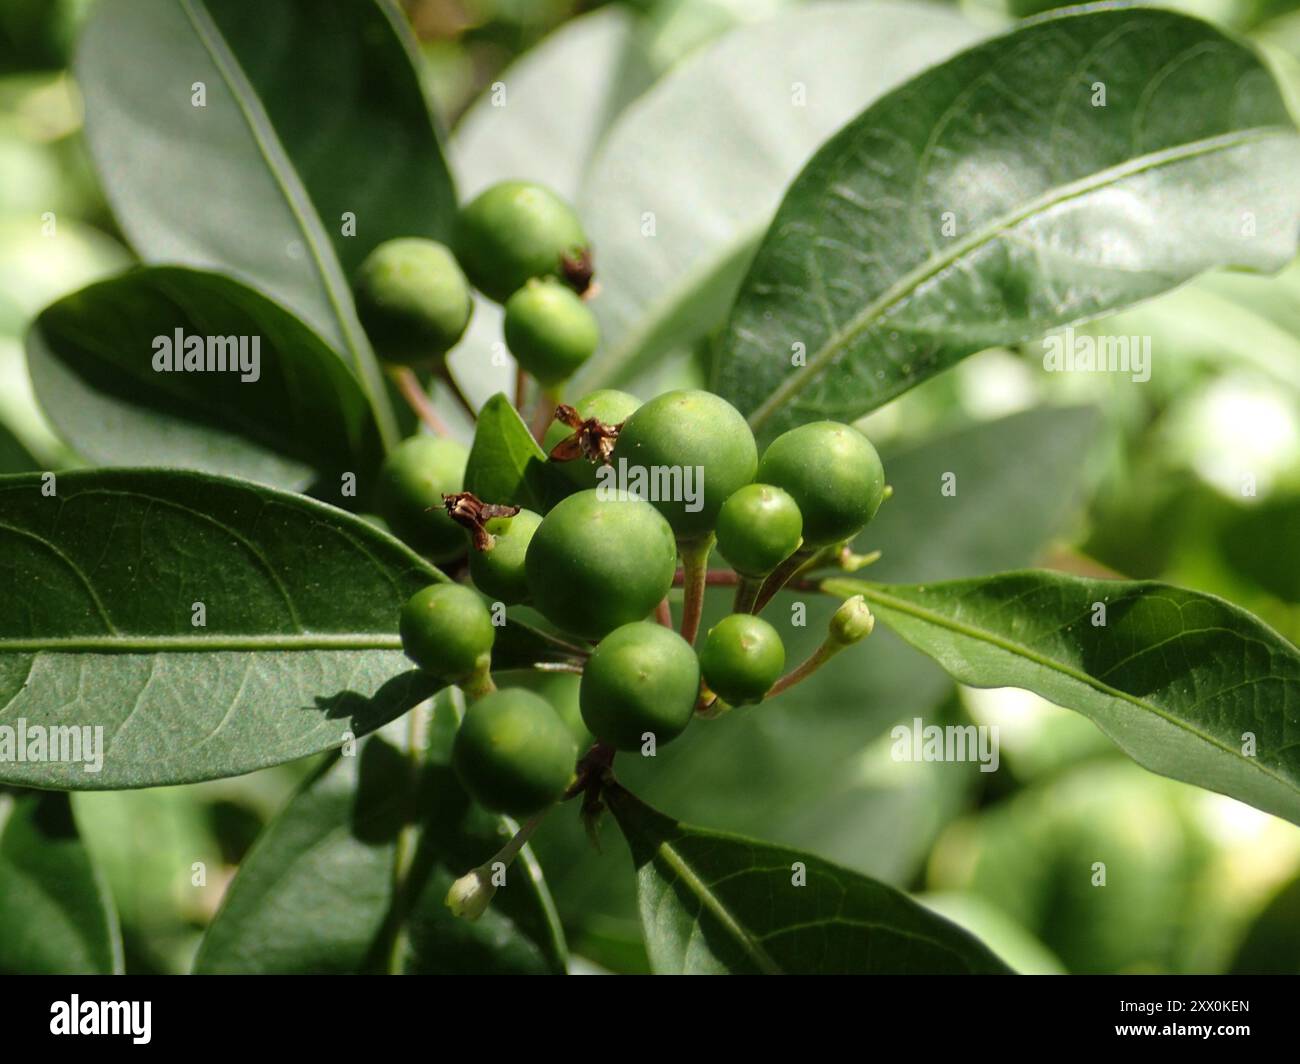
(641, 678)
(513, 231)
(596, 563)
(513, 753)
(549, 330)
(499, 571)
(834, 474)
(608, 406)
(446, 630)
(742, 658)
(759, 526)
(413, 299)
(412, 481)
(689, 450)
(560, 689)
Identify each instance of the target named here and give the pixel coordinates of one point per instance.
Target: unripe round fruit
(549, 330)
(641, 678)
(759, 526)
(609, 407)
(742, 658)
(446, 630)
(499, 571)
(513, 753)
(560, 689)
(834, 474)
(513, 231)
(597, 563)
(681, 431)
(412, 481)
(413, 299)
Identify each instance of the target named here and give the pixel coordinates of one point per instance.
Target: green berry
(412, 481)
(446, 630)
(834, 474)
(499, 571)
(641, 678)
(412, 299)
(693, 447)
(560, 689)
(513, 753)
(514, 231)
(759, 526)
(549, 330)
(596, 563)
(742, 658)
(610, 408)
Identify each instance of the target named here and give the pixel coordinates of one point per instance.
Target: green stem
(816, 660)
(417, 741)
(747, 589)
(479, 682)
(695, 571)
(780, 576)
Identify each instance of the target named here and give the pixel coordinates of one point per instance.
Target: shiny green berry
(413, 300)
(513, 753)
(641, 678)
(412, 481)
(499, 571)
(447, 630)
(596, 563)
(608, 406)
(742, 658)
(833, 473)
(549, 330)
(560, 689)
(514, 231)
(759, 526)
(694, 449)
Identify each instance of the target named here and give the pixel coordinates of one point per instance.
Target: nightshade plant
(213, 590)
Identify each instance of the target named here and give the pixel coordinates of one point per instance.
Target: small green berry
(610, 408)
(549, 330)
(834, 474)
(759, 526)
(514, 231)
(742, 658)
(412, 481)
(499, 571)
(447, 630)
(513, 753)
(560, 689)
(641, 678)
(695, 444)
(412, 299)
(596, 563)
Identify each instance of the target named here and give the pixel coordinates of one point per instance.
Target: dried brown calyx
(592, 439)
(473, 514)
(577, 270)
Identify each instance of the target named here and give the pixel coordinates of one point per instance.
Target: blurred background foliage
(1090, 473)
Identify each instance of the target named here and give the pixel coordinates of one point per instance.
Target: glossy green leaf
(92, 360)
(992, 199)
(312, 116)
(713, 903)
(56, 917)
(1186, 684)
(104, 580)
(673, 227)
(505, 463)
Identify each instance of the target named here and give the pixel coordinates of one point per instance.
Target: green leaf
(55, 915)
(1271, 945)
(92, 355)
(714, 903)
(313, 109)
(299, 646)
(14, 457)
(1186, 684)
(664, 156)
(316, 893)
(505, 463)
(989, 200)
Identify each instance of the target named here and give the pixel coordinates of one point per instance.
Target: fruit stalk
(408, 385)
(779, 577)
(850, 624)
(695, 571)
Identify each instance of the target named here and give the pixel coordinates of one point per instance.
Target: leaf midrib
(874, 594)
(910, 281)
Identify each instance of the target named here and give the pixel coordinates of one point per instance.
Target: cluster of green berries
(519, 244)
